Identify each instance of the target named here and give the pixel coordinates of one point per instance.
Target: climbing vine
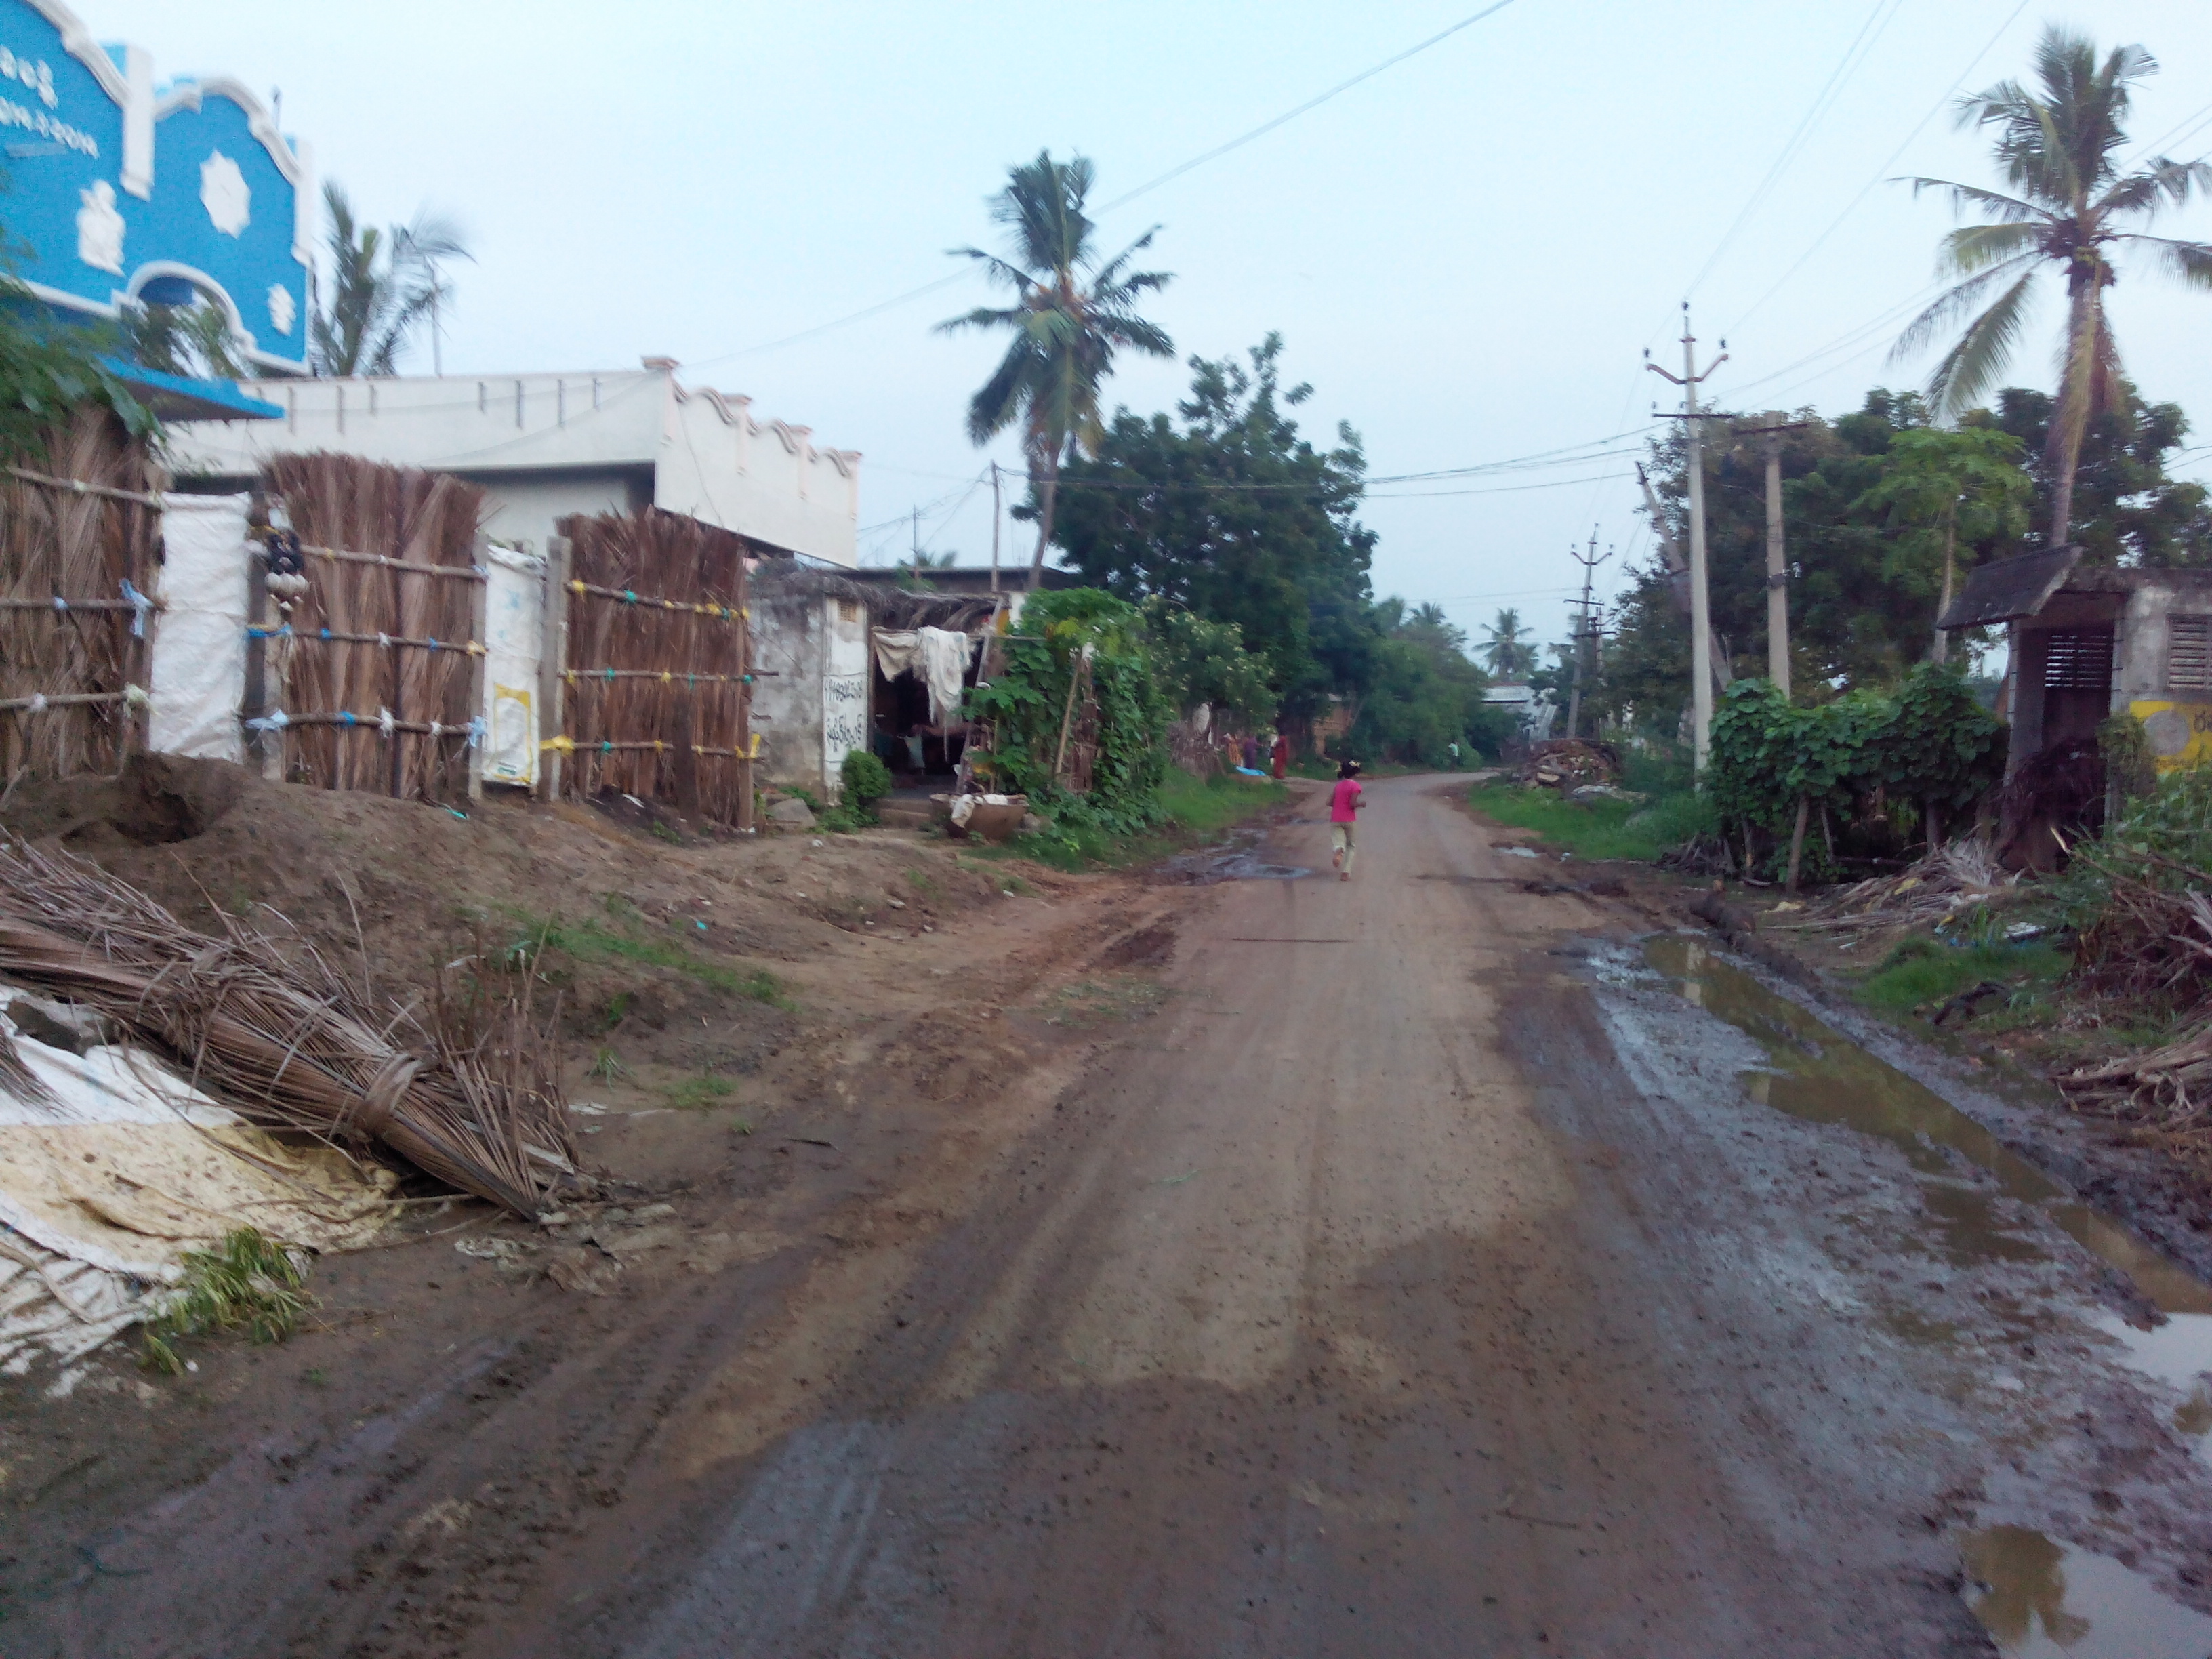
(1088, 643)
(1927, 743)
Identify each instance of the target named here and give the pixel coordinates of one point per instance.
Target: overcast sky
(1466, 254)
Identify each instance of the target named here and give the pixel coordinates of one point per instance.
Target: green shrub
(866, 779)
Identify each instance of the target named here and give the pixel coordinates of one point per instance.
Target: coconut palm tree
(382, 286)
(1071, 314)
(2058, 149)
(1508, 653)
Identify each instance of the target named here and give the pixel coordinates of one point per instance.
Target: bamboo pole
(1797, 840)
(473, 751)
(552, 658)
(264, 747)
(744, 743)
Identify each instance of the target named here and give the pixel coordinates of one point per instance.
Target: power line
(1852, 58)
(1880, 172)
(1174, 173)
(1266, 127)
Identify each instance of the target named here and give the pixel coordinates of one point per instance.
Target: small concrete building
(2089, 643)
(546, 446)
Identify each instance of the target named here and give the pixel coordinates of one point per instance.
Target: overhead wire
(1882, 172)
(1150, 184)
(1855, 54)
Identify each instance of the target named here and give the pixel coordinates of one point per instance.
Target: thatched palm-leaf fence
(467, 1093)
(72, 674)
(650, 674)
(379, 675)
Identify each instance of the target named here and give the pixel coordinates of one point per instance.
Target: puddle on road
(2043, 1601)
(1235, 859)
(2039, 1598)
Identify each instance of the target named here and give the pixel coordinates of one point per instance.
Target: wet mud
(1989, 1216)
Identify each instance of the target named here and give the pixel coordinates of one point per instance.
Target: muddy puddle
(2035, 1595)
(1236, 858)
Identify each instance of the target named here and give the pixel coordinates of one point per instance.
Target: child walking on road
(1344, 804)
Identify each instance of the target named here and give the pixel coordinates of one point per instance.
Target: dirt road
(1401, 1266)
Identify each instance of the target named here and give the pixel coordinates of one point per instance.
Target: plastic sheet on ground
(199, 647)
(125, 1167)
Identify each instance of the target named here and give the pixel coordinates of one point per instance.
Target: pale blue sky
(1466, 255)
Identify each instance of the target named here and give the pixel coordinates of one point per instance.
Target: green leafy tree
(1071, 315)
(1509, 653)
(1939, 485)
(193, 340)
(1205, 662)
(1234, 515)
(2126, 508)
(381, 287)
(1423, 694)
(2069, 208)
(1072, 632)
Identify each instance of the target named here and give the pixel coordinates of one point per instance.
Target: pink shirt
(1344, 801)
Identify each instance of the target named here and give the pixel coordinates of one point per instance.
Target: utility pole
(995, 526)
(1778, 567)
(1701, 637)
(1583, 635)
(913, 541)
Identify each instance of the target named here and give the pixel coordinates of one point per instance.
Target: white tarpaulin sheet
(937, 656)
(199, 637)
(514, 615)
(125, 1166)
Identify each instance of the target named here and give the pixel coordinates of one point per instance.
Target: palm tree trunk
(1049, 491)
(1943, 647)
(2070, 415)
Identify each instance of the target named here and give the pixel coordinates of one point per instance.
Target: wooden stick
(465, 573)
(745, 741)
(552, 659)
(60, 606)
(479, 708)
(62, 700)
(1797, 842)
(78, 486)
(264, 747)
(719, 612)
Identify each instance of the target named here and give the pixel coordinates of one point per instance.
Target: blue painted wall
(62, 138)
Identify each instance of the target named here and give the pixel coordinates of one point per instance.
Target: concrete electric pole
(1701, 636)
(1778, 565)
(1585, 635)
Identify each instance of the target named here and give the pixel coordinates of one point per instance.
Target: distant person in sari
(1282, 754)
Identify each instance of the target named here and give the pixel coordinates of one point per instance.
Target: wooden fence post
(265, 747)
(744, 696)
(472, 751)
(552, 663)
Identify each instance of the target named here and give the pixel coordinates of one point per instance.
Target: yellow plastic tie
(563, 745)
(666, 679)
(576, 587)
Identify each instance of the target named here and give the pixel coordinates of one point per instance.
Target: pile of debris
(1959, 877)
(2167, 1092)
(148, 1076)
(1571, 763)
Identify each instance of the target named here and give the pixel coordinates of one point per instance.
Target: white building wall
(546, 445)
(845, 681)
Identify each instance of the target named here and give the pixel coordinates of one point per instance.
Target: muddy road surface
(1446, 1261)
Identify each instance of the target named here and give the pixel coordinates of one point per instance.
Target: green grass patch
(595, 942)
(1192, 811)
(1922, 973)
(1602, 829)
(702, 1093)
(248, 1282)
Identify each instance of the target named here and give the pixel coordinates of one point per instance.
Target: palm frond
(999, 269)
(998, 401)
(1107, 273)
(981, 317)
(1953, 304)
(2008, 209)
(2190, 263)
(1977, 247)
(1969, 368)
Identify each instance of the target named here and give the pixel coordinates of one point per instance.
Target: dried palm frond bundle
(674, 696)
(285, 1040)
(418, 518)
(1954, 877)
(2167, 1091)
(2152, 930)
(82, 548)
